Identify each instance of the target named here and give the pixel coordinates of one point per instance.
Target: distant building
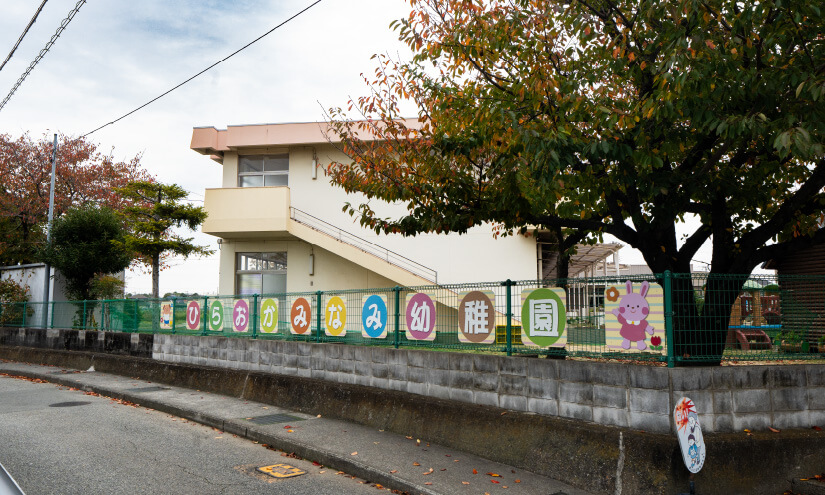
(32, 276)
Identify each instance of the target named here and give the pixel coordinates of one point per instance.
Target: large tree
(606, 116)
(155, 208)
(83, 175)
(86, 242)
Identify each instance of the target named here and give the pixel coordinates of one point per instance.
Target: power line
(44, 51)
(34, 18)
(204, 70)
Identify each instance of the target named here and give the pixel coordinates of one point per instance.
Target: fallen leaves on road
(416, 464)
(465, 482)
(475, 472)
(773, 430)
(816, 428)
(494, 475)
(354, 453)
(428, 472)
(26, 378)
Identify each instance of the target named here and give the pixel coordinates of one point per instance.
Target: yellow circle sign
(335, 317)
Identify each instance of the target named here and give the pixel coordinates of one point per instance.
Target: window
(260, 273)
(263, 170)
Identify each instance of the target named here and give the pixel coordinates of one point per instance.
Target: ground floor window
(260, 273)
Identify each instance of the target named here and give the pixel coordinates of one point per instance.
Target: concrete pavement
(395, 461)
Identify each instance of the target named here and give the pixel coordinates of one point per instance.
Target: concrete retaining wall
(597, 458)
(638, 397)
(133, 344)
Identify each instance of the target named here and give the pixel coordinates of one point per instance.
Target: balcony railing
(364, 245)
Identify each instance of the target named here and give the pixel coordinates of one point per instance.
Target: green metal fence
(681, 318)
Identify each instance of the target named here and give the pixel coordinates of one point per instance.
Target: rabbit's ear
(645, 287)
(629, 286)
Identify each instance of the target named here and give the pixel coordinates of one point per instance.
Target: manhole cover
(272, 419)
(70, 404)
(147, 389)
(281, 471)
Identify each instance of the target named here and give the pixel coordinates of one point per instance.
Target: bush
(12, 297)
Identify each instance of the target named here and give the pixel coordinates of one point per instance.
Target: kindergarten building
(281, 227)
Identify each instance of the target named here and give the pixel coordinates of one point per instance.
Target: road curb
(301, 449)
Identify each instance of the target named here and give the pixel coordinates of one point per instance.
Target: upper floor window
(263, 170)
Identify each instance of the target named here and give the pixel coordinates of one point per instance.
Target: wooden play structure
(751, 316)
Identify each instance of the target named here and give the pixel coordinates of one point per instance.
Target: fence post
(25, 310)
(671, 359)
(253, 314)
(205, 313)
(508, 284)
(397, 291)
(85, 317)
(319, 313)
(51, 325)
(174, 307)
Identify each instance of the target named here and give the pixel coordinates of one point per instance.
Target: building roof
(589, 256)
(214, 142)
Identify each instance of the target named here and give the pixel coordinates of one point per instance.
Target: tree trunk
(700, 335)
(156, 276)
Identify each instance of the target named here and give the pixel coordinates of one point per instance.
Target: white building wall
(476, 256)
(33, 277)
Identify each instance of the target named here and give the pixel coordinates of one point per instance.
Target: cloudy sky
(116, 55)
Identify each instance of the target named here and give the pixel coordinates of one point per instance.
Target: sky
(115, 56)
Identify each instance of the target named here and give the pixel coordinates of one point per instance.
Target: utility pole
(49, 237)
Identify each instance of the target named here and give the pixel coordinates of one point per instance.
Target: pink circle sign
(240, 315)
(193, 315)
(420, 315)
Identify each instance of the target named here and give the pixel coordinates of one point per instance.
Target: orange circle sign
(300, 316)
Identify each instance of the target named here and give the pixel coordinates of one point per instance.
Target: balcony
(247, 212)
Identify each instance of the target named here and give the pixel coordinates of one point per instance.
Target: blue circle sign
(374, 317)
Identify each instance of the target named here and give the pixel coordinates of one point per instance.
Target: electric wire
(44, 51)
(204, 70)
(25, 31)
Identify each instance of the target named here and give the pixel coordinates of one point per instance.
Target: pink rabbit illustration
(632, 313)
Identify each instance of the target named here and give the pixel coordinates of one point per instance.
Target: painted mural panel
(544, 317)
(240, 315)
(216, 316)
(166, 315)
(335, 317)
(193, 315)
(300, 316)
(420, 317)
(477, 317)
(635, 317)
(374, 316)
(269, 315)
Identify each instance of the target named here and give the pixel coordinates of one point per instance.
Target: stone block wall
(640, 397)
(133, 344)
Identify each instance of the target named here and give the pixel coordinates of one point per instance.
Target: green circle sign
(269, 316)
(543, 317)
(216, 316)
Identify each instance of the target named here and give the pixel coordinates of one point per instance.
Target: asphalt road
(56, 440)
